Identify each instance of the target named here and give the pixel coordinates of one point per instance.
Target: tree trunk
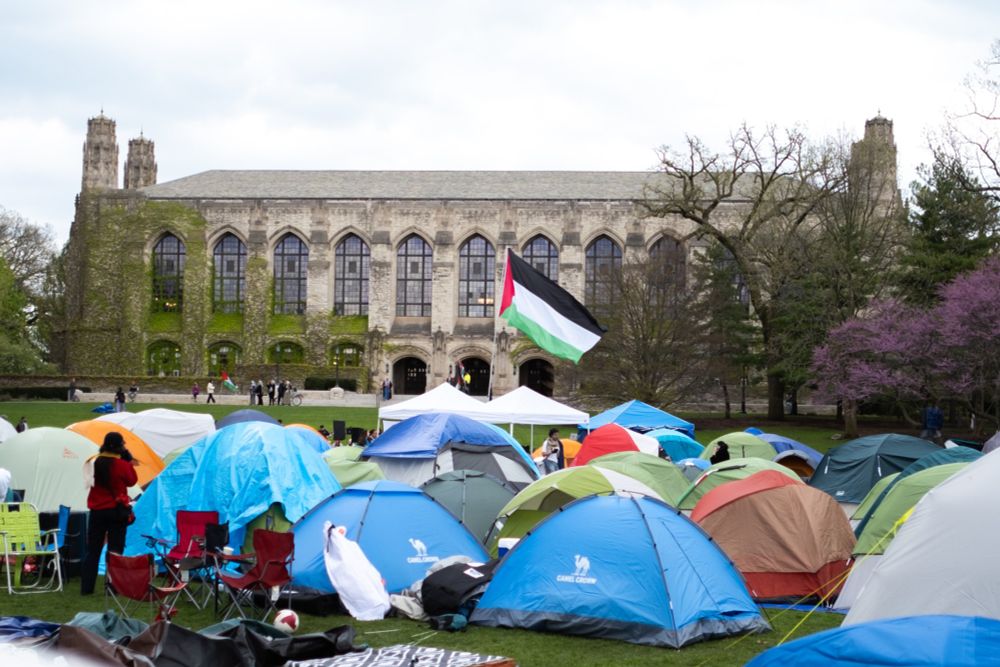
(794, 402)
(725, 397)
(775, 396)
(850, 418)
(840, 411)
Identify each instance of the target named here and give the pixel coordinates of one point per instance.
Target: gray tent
(472, 496)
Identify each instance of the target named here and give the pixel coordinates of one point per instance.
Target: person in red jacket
(109, 475)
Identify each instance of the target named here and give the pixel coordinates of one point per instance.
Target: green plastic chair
(22, 537)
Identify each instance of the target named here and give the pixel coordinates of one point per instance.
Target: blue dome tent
(416, 449)
(569, 576)
(927, 641)
(245, 415)
(636, 414)
(239, 471)
(402, 531)
(675, 444)
(782, 444)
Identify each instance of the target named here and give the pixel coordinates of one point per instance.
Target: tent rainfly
(164, 430)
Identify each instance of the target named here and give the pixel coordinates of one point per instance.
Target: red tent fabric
(607, 439)
(733, 491)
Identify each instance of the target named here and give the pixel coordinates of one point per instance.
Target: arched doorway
(409, 376)
(538, 375)
(478, 371)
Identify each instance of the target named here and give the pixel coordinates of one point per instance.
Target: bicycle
(296, 398)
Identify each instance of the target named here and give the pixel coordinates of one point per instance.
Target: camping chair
(22, 537)
(260, 588)
(185, 560)
(129, 581)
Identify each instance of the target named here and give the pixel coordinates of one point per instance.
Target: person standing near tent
(120, 400)
(551, 449)
(195, 390)
(281, 392)
(270, 392)
(72, 390)
(210, 390)
(720, 454)
(933, 420)
(109, 476)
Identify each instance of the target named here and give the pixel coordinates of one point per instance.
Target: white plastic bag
(361, 587)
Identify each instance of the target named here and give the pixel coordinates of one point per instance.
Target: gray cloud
(450, 84)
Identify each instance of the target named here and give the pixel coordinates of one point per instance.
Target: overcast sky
(575, 84)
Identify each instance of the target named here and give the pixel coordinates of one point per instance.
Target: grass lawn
(528, 648)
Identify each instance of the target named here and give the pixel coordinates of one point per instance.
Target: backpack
(452, 587)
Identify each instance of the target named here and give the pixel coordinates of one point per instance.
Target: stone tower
(100, 155)
(140, 165)
(873, 164)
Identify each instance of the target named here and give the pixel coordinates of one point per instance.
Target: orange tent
(306, 426)
(786, 539)
(570, 449)
(150, 464)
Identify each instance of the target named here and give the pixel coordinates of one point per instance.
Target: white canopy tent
(442, 398)
(7, 429)
(526, 406)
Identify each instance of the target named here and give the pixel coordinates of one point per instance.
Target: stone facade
(113, 325)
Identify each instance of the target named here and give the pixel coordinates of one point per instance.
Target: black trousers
(101, 524)
(211, 399)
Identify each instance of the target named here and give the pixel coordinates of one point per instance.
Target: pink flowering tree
(950, 351)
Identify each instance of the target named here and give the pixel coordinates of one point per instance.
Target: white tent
(442, 398)
(48, 464)
(164, 430)
(7, 429)
(525, 406)
(942, 559)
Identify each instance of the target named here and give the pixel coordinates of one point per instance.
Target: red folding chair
(129, 580)
(185, 560)
(260, 588)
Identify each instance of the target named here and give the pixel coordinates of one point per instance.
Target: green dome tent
(727, 471)
(472, 496)
(866, 505)
(544, 496)
(348, 470)
(904, 495)
(660, 475)
(48, 464)
(742, 445)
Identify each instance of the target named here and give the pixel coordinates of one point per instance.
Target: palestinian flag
(227, 383)
(545, 312)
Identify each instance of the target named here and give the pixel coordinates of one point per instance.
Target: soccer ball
(286, 620)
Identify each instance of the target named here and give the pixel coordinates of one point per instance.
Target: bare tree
(26, 247)
(653, 349)
(774, 181)
(972, 135)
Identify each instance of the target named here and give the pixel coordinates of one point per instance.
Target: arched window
(413, 278)
(291, 259)
(223, 357)
(476, 278)
(163, 358)
(285, 352)
(350, 287)
(346, 355)
(603, 258)
(668, 257)
(168, 274)
(229, 275)
(542, 254)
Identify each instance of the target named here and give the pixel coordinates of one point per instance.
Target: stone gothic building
(353, 275)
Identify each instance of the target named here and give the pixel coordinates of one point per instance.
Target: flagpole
(496, 326)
